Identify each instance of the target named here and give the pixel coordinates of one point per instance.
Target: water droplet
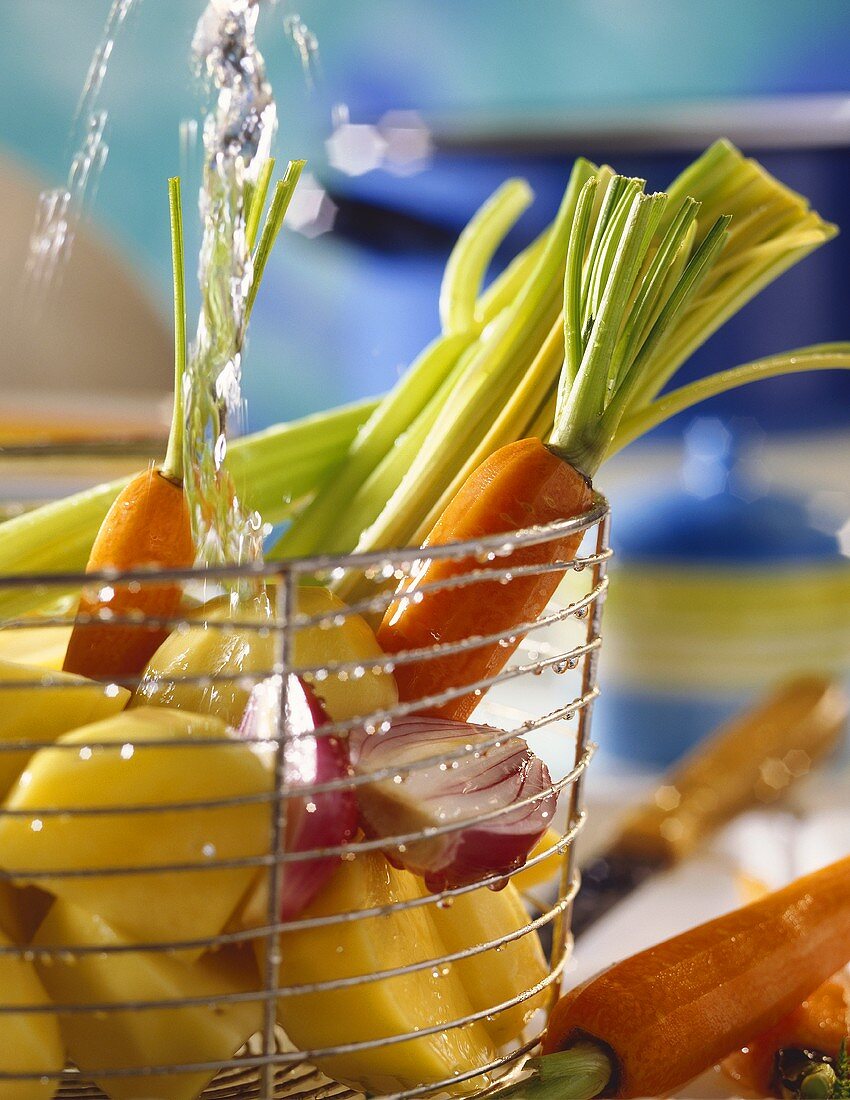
(209, 851)
(36, 824)
(127, 751)
(445, 903)
(310, 807)
(85, 754)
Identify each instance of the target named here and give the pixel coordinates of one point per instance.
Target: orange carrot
(669, 1013)
(818, 1024)
(148, 525)
(522, 485)
(629, 277)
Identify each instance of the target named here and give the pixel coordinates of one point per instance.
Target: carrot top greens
(573, 342)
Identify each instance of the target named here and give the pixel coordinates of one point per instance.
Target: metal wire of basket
(555, 710)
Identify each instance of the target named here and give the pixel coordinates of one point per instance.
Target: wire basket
(145, 1034)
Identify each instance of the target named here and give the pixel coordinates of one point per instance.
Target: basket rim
(499, 545)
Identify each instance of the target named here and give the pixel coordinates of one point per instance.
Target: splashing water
(60, 210)
(306, 46)
(237, 137)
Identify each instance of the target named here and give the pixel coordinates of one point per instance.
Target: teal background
(464, 56)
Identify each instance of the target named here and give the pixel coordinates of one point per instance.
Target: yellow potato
(530, 878)
(150, 1037)
(212, 652)
(494, 976)
(353, 640)
(29, 1042)
(75, 774)
(41, 646)
(391, 1006)
(46, 705)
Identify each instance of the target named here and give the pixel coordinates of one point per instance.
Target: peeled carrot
(818, 1024)
(669, 1013)
(148, 525)
(522, 485)
(629, 276)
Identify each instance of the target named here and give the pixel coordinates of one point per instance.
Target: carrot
(669, 1013)
(627, 283)
(147, 525)
(817, 1025)
(521, 485)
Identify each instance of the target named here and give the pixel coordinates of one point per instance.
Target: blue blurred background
(341, 314)
(415, 111)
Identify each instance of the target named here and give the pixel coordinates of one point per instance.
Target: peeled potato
(41, 646)
(378, 1009)
(29, 1041)
(131, 768)
(223, 655)
(495, 976)
(208, 1032)
(46, 705)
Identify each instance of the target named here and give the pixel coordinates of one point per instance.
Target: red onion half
(487, 777)
(323, 819)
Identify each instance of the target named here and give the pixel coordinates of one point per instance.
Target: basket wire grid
(267, 1066)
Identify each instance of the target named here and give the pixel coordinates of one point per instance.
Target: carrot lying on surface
(629, 278)
(147, 525)
(669, 1013)
(817, 1025)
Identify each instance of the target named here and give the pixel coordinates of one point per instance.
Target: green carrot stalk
(275, 470)
(491, 377)
(255, 200)
(474, 252)
(834, 356)
(172, 466)
(284, 191)
(395, 480)
(317, 529)
(314, 531)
